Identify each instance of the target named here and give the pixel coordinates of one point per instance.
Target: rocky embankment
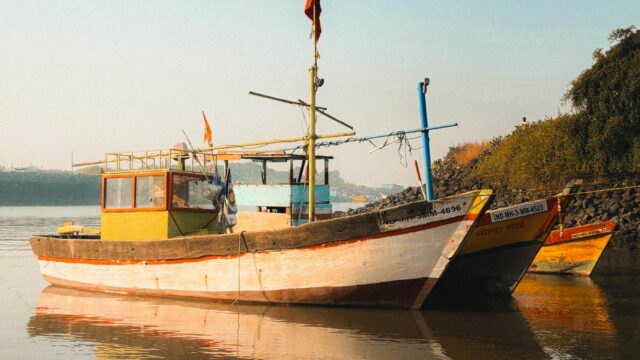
(592, 202)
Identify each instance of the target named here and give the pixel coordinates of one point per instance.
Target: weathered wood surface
(314, 234)
(261, 221)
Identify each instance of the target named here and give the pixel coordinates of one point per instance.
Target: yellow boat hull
(575, 251)
(498, 252)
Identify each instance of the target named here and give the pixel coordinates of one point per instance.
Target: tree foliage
(600, 138)
(606, 97)
(542, 154)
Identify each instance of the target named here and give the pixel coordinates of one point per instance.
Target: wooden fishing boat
(160, 237)
(500, 249)
(498, 252)
(169, 228)
(575, 250)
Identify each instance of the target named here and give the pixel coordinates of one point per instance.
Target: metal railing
(155, 160)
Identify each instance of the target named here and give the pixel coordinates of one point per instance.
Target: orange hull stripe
(580, 232)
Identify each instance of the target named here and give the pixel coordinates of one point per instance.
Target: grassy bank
(599, 139)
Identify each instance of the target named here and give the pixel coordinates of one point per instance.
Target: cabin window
(188, 193)
(117, 193)
(149, 191)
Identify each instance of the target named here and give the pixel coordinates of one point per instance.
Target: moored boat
(499, 250)
(169, 228)
(574, 250)
(160, 237)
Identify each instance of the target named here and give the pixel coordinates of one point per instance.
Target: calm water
(548, 317)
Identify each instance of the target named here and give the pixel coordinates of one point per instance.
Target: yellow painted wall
(154, 225)
(193, 223)
(135, 225)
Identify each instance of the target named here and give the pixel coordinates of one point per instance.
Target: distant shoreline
(64, 188)
(48, 188)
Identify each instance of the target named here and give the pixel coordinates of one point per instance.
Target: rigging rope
(405, 147)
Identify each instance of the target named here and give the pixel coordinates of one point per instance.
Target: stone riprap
(592, 203)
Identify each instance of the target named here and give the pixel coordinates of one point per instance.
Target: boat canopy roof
(180, 159)
(272, 156)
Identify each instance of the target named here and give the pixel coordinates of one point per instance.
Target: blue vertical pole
(422, 91)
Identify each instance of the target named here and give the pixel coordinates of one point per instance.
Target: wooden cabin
(272, 204)
(160, 194)
(156, 195)
(156, 205)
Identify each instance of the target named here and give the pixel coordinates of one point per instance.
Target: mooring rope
(240, 238)
(605, 190)
(555, 190)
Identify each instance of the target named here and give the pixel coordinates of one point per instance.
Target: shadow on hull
(486, 275)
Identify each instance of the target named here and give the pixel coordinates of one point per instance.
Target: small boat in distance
(573, 251)
(359, 198)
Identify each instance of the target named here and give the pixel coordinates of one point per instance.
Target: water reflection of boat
(172, 328)
(575, 250)
(496, 333)
(143, 327)
(569, 315)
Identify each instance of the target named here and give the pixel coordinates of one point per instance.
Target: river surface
(548, 317)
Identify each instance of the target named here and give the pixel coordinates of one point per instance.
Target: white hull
(397, 267)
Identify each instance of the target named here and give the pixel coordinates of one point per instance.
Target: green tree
(606, 97)
(542, 154)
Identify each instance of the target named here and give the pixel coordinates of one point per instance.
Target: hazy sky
(98, 76)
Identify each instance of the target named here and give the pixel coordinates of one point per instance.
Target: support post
(311, 142)
(291, 171)
(422, 91)
(326, 171)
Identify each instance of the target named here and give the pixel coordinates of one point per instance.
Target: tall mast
(311, 136)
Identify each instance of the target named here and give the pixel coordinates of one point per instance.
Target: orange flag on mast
(308, 10)
(207, 130)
